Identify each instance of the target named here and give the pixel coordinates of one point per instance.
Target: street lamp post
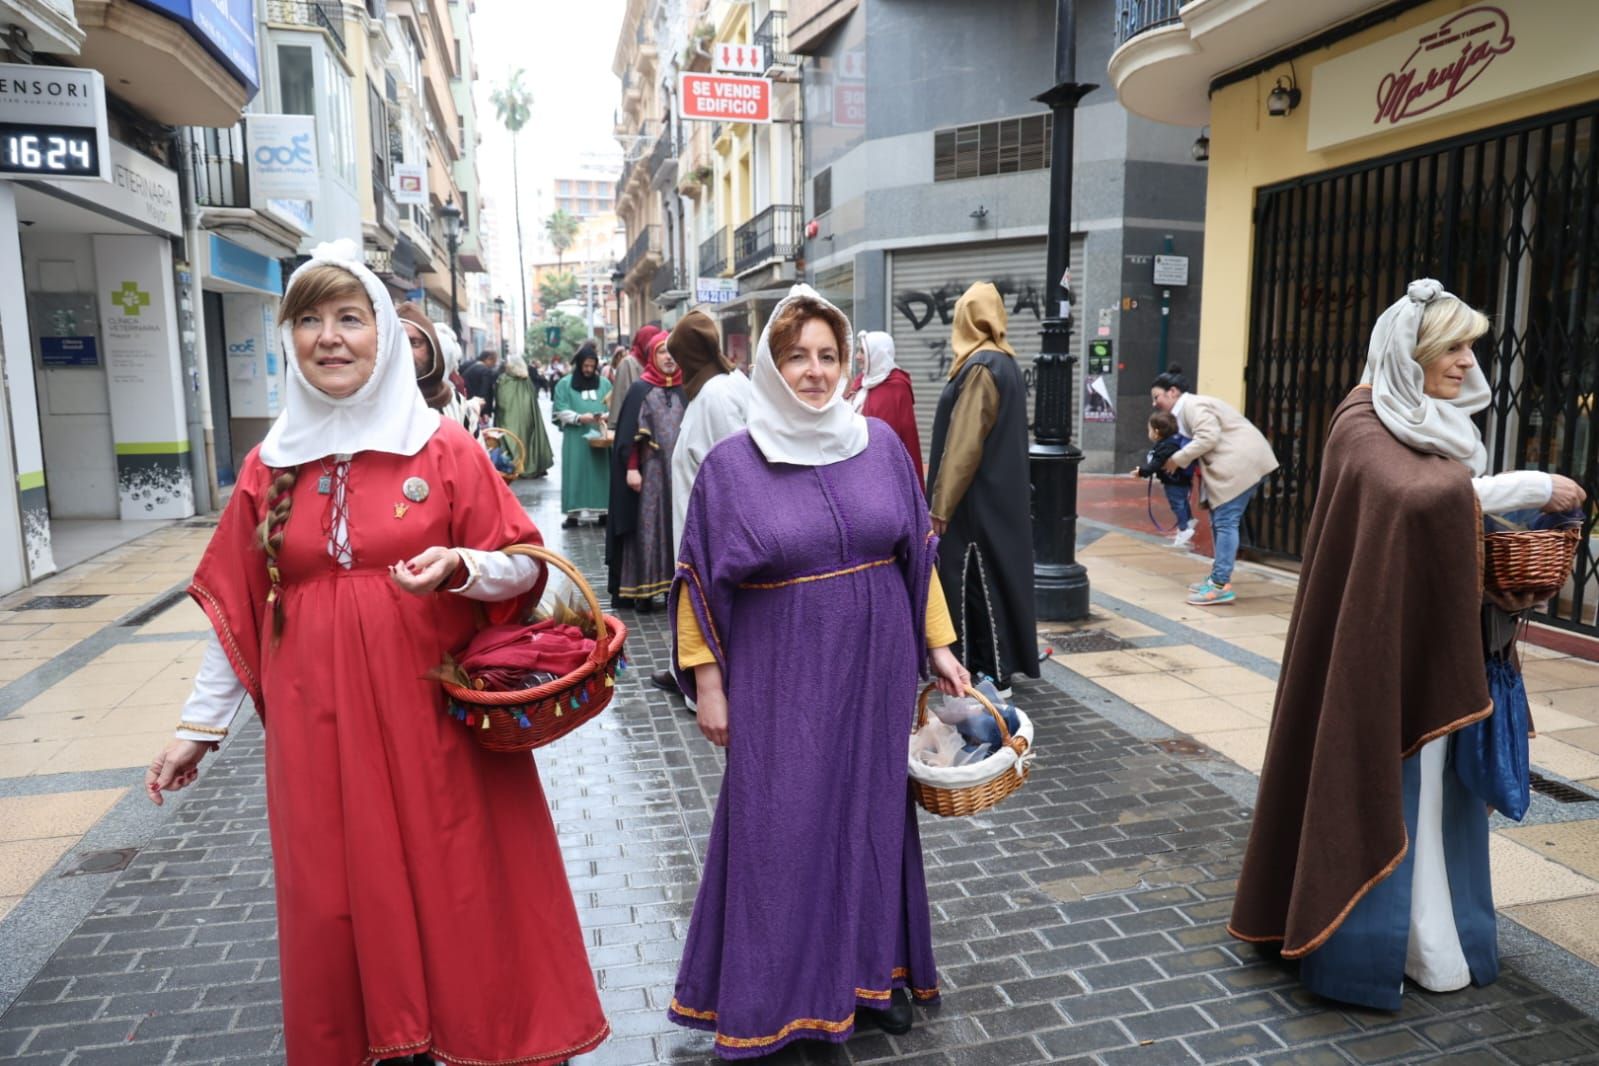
(450, 215)
(499, 325)
(1060, 583)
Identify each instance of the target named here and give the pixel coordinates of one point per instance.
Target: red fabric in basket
(500, 656)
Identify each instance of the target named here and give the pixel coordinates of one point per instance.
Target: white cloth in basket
(1002, 761)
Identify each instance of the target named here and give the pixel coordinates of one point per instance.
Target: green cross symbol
(130, 298)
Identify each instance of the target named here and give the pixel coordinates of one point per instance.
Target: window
(340, 120)
(822, 192)
(378, 120)
(296, 80)
(1008, 146)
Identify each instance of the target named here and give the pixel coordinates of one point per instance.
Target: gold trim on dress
(821, 1024)
(818, 577)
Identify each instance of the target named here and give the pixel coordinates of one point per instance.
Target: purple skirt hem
(822, 1035)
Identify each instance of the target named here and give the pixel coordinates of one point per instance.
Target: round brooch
(415, 489)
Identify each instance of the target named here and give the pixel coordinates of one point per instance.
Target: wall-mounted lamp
(980, 214)
(1201, 148)
(1284, 98)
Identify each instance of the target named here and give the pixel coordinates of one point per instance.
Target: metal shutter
(924, 286)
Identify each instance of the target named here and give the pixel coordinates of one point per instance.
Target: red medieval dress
(894, 401)
(423, 904)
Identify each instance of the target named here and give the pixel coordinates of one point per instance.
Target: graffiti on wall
(924, 308)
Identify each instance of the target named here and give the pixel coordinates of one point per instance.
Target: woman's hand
(176, 767)
(635, 481)
(1567, 495)
(425, 572)
(939, 526)
(710, 703)
(949, 675)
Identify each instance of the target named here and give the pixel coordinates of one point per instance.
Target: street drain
(103, 862)
(57, 603)
(1183, 746)
(1560, 792)
(146, 613)
(1089, 640)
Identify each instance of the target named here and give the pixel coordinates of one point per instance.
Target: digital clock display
(48, 150)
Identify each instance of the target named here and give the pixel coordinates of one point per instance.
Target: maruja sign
(1444, 63)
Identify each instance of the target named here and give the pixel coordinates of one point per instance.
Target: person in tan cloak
(1368, 857)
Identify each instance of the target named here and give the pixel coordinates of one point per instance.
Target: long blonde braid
(280, 501)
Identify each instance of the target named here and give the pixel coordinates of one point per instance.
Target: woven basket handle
(601, 650)
(1016, 744)
(521, 449)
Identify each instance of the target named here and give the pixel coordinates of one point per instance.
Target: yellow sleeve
(975, 412)
(691, 647)
(940, 630)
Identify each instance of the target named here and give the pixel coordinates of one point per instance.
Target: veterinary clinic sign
(1472, 57)
(722, 98)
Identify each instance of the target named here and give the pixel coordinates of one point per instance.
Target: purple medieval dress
(810, 585)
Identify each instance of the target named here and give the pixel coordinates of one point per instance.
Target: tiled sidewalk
(1079, 922)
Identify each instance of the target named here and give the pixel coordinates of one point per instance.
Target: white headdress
(785, 427)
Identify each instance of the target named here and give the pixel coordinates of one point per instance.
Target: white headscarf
(450, 345)
(1427, 424)
(785, 427)
(877, 359)
(386, 414)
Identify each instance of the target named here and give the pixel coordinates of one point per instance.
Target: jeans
(1224, 521)
(1177, 500)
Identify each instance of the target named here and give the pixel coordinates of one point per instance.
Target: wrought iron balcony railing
(771, 234)
(1139, 16)
(664, 280)
(316, 14)
(772, 36)
(713, 255)
(218, 168)
(663, 150)
(648, 242)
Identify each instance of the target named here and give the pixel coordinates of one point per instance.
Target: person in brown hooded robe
(1368, 856)
(980, 496)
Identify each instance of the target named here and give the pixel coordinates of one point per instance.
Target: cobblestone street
(1081, 921)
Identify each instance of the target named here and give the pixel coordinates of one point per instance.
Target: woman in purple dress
(805, 606)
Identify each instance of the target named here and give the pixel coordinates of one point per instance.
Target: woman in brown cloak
(1368, 858)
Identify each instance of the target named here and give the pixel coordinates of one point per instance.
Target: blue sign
(225, 27)
(230, 262)
(68, 351)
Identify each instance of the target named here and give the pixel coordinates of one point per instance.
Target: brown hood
(697, 347)
(436, 388)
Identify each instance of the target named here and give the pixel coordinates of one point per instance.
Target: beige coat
(1232, 453)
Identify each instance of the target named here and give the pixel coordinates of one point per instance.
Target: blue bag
(1491, 755)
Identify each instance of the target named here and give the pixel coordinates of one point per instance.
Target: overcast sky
(566, 48)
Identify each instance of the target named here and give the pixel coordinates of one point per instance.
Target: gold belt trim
(817, 577)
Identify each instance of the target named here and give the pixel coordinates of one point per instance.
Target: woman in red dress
(423, 907)
(883, 390)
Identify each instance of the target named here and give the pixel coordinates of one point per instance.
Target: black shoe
(645, 605)
(896, 1020)
(600, 521)
(620, 603)
(570, 523)
(666, 682)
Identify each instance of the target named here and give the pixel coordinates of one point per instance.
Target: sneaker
(1196, 586)
(1183, 537)
(1210, 594)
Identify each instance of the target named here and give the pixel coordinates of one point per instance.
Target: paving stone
(1079, 1039)
(1546, 1047)
(1386, 1047)
(1174, 1021)
(1227, 1045)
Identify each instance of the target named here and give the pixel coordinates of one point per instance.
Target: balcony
(218, 171)
(1140, 16)
(771, 234)
(1169, 51)
(664, 280)
(713, 255)
(323, 15)
(661, 166)
(645, 246)
(772, 37)
(386, 212)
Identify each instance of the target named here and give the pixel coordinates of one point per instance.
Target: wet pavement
(1081, 921)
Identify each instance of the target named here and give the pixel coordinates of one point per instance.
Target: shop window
(296, 80)
(822, 191)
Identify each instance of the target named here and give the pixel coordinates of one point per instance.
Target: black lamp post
(1060, 583)
(617, 277)
(499, 325)
(450, 215)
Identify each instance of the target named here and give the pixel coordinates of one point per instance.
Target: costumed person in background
(1234, 458)
(460, 409)
(805, 605)
(642, 470)
(980, 494)
(630, 369)
(382, 884)
(1368, 856)
(517, 402)
(883, 390)
(480, 378)
(580, 407)
(428, 360)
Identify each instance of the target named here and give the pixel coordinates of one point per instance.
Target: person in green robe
(581, 409)
(516, 407)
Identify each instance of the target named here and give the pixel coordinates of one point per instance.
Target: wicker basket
(519, 454)
(1529, 560)
(525, 719)
(1009, 769)
(604, 440)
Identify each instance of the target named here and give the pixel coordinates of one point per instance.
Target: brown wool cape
(1384, 654)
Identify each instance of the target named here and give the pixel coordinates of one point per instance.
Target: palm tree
(561, 228)
(513, 103)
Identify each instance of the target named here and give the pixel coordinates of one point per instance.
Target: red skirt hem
(428, 1047)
